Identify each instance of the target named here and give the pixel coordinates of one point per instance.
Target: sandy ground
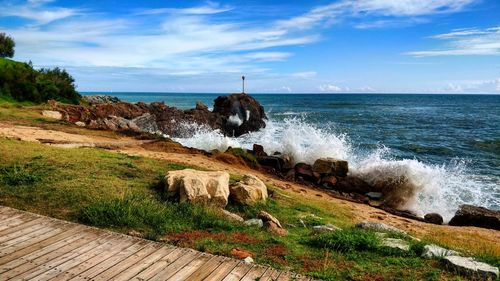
(131, 146)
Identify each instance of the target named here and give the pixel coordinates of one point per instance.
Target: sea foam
(434, 188)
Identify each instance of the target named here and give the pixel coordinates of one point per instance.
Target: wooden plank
(182, 267)
(207, 268)
(238, 272)
(121, 243)
(255, 273)
(285, 276)
(38, 253)
(110, 262)
(11, 222)
(50, 261)
(270, 275)
(8, 256)
(77, 259)
(29, 239)
(139, 258)
(27, 224)
(223, 270)
(19, 233)
(163, 262)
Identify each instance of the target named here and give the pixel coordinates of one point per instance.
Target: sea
(446, 146)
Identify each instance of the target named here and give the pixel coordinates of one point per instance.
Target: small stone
(434, 218)
(80, 124)
(135, 233)
(396, 244)
(275, 229)
(240, 254)
(231, 216)
(52, 114)
(325, 228)
(378, 226)
(374, 195)
(254, 222)
(248, 260)
(265, 216)
(434, 251)
(201, 106)
(471, 268)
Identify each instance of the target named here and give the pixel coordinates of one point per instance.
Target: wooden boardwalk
(34, 247)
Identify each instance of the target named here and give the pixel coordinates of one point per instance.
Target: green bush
(17, 175)
(21, 82)
(346, 240)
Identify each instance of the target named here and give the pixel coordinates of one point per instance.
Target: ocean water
(447, 146)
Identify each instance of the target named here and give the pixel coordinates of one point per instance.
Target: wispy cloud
(209, 9)
(36, 11)
(462, 42)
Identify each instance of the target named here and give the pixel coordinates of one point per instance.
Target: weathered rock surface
(325, 228)
(353, 184)
(468, 215)
(198, 186)
(99, 99)
(265, 216)
(434, 218)
(395, 244)
(233, 115)
(52, 114)
(275, 229)
(254, 222)
(471, 268)
(249, 190)
(331, 166)
(434, 251)
(378, 226)
(231, 216)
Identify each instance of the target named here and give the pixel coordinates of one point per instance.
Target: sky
(343, 46)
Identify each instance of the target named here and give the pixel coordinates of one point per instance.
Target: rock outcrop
(234, 115)
(330, 167)
(471, 268)
(198, 186)
(249, 190)
(433, 218)
(468, 215)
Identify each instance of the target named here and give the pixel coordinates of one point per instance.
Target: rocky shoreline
(237, 114)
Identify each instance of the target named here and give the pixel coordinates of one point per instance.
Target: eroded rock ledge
(233, 115)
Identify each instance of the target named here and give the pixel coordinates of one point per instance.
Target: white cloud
(34, 10)
(464, 42)
(498, 85)
(330, 88)
(472, 86)
(209, 9)
(305, 74)
(287, 89)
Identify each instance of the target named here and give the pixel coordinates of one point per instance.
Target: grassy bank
(123, 193)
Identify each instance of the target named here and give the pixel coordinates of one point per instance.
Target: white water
(438, 188)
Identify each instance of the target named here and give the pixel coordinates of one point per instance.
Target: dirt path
(449, 235)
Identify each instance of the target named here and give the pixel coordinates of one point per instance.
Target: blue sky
(394, 46)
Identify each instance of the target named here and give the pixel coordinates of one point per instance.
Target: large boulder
(239, 114)
(353, 184)
(434, 218)
(198, 186)
(471, 268)
(468, 215)
(249, 190)
(331, 166)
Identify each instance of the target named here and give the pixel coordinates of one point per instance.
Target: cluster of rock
(233, 115)
(213, 188)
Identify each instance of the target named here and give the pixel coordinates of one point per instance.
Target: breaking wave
(426, 188)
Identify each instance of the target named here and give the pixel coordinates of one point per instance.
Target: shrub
(17, 175)
(7, 45)
(346, 240)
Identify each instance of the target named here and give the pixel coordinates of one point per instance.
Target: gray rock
(325, 228)
(434, 251)
(378, 226)
(374, 195)
(80, 124)
(231, 216)
(381, 234)
(52, 114)
(395, 243)
(471, 268)
(100, 99)
(146, 123)
(254, 222)
(265, 216)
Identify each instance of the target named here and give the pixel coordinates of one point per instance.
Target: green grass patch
(346, 241)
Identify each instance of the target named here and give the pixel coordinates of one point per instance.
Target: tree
(7, 45)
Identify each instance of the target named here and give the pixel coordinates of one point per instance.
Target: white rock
(325, 228)
(248, 260)
(471, 268)
(198, 186)
(80, 124)
(396, 244)
(378, 226)
(52, 114)
(254, 222)
(249, 190)
(434, 251)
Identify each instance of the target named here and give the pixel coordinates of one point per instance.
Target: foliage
(7, 45)
(21, 82)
